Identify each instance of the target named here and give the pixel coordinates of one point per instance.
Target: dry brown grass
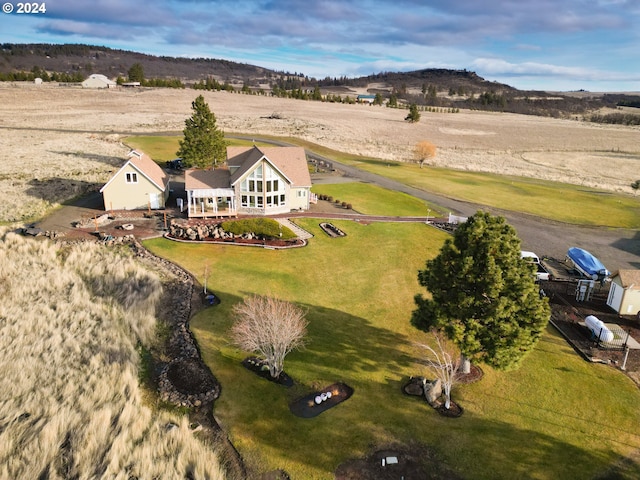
(51, 133)
(71, 405)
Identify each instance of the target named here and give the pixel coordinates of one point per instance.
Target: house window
(301, 193)
(252, 201)
(131, 177)
(263, 179)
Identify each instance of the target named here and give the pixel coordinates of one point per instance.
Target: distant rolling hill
(429, 88)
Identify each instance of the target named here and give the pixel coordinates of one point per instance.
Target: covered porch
(211, 203)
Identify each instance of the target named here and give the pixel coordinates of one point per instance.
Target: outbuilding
(98, 81)
(624, 295)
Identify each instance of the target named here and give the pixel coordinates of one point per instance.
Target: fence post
(626, 354)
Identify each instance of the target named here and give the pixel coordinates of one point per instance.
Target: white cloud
(496, 66)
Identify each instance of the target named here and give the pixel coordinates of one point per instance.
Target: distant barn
(98, 81)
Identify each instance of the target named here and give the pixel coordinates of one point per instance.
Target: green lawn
(372, 200)
(556, 417)
(563, 202)
(163, 148)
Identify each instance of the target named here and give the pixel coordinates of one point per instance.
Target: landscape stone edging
(303, 243)
(181, 343)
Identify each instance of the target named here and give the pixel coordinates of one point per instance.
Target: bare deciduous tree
(423, 151)
(269, 327)
(441, 360)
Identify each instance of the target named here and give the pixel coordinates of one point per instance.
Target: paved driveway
(616, 248)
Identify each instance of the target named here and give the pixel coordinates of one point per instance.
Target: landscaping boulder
(432, 392)
(415, 387)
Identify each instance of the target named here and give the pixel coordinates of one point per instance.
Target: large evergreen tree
(483, 295)
(414, 114)
(136, 73)
(203, 145)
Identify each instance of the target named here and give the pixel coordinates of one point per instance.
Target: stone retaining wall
(181, 345)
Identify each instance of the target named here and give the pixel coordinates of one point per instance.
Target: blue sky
(529, 44)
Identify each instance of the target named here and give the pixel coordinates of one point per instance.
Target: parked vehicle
(175, 164)
(541, 273)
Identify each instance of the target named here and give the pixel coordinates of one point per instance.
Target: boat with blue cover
(587, 264)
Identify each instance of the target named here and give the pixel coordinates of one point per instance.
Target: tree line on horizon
(439, 89)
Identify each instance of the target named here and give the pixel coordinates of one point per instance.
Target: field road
(616, 248)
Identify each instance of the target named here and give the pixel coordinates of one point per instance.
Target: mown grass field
(556, 201)
(556, 417)
(373, 200)
(162, 148)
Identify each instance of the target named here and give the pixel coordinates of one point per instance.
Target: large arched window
(263, 187)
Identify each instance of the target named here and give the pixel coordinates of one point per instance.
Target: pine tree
(414, 115)
(483, 295)
(136, 73)
(203, 145)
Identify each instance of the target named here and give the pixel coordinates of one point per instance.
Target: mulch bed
(315, 403)
(261, 368)
(474, 375)
(454, 410)
(191, 376)
(210, 299)
(414, 461)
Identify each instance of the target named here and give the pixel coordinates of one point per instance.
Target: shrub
(329, 198)
(349, 206)
(344, 204)
(262, 227)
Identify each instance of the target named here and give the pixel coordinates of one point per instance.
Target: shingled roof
(291, 162)
(144, 164)
(629, 278)
(196, 179)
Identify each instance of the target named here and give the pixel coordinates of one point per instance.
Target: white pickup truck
(541, 272)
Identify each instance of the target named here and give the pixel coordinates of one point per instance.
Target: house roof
(196, 179)
(629, 278)
(147, 167)
(291, 162)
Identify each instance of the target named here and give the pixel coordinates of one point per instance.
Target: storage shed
(624, 295)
